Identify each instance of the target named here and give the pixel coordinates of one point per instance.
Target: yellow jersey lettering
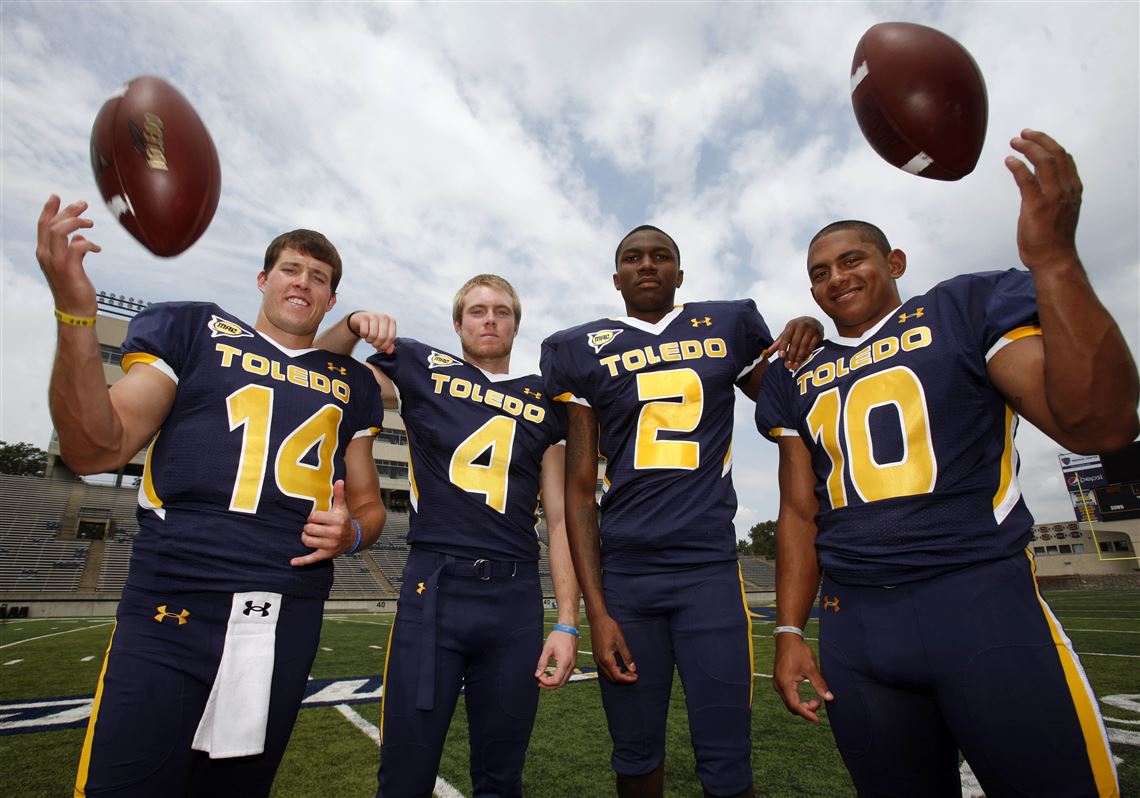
(493, 398)
(440, 380)
(228, 353)
(297, 376)
(275, 371)
(513, 405)
(633, 360)
(611, 364)
(916, 338)
(716, 347)
(671, 352)
(255, 364)
(319, 382)
(460, 388)
(476, 392)
(880, 350)
(341, 390)
(534, 413)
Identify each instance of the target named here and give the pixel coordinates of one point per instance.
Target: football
(920, 100)
(156, 165)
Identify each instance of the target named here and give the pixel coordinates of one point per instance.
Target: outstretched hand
(60, 251)
(330, 532)
(1050, 200)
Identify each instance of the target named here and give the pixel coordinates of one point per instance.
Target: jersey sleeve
(1007, 311)
(774, 415)
(160, 336)
(558, 373)
(755, 338)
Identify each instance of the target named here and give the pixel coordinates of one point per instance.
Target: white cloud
(431, 142)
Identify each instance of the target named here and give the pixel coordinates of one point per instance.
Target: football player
(483, 442)
(259, 471)
(898, 478)
(654, 393)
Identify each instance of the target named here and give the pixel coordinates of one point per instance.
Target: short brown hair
(307, 242)
(867, 232)
(491, 281)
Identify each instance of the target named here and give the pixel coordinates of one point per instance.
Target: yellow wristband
(74, 321)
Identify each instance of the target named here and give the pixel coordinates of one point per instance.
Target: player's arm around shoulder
(793, 345)
(1077, 381)
(562, 642)
(378, 329)
(797, 580)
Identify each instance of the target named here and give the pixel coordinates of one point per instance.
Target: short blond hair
(491, 281)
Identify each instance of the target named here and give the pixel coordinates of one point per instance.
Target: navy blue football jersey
(911, 443)
(664, 397)
(477, 440)
(252, 445)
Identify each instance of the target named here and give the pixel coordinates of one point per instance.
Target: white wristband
(794, 630)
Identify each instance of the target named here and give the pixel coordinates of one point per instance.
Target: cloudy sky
(432, 142)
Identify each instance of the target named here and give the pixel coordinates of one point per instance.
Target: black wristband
(348, 321)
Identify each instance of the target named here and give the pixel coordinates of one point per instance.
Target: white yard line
(1109, 631)
(1098, 654)
(54, 634)
(442, 788)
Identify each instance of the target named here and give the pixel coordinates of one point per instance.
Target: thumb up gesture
(329, 532)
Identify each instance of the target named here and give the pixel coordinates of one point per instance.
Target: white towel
(233, 723)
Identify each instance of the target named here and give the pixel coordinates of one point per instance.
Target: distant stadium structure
(66, 541)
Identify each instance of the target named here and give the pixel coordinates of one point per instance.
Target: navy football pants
(488, 635)
(157, 677)
(695, 619)
(971, 660)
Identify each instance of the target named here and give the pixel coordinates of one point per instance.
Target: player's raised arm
(99, 429)
(608, 642)
(1077, 382)
(561, 643)
(797, 580)
(799, 339)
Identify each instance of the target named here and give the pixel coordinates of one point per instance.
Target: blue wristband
(562, 627)
(356, 547)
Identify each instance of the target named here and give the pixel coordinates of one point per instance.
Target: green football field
(48, 670)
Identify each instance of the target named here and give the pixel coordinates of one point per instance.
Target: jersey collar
(652, 329)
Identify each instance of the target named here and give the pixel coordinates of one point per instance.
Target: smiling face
(296, 295)
(853, 281)
(648, 274)
(487, 327)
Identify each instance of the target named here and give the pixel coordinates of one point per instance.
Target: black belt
(486, 570)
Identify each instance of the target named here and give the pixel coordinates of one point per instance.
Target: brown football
(920, 100)
(156, 165)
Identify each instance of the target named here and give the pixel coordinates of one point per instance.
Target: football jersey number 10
(917, 469)
(251, 408)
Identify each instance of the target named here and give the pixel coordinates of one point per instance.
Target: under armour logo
(707, 321)
(334, 367)
(535, 394)
(420, 588)
(262, 608)
(916, 315)
(831, 603)
(163, 615)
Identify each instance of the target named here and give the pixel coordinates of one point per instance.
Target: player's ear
(261, 278)
(680, 277)
(332, 301)
(896, 260)
(617, 285)
(457, 326)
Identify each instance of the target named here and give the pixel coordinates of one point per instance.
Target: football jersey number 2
(672, 416)
(917, 469)
(251, 408)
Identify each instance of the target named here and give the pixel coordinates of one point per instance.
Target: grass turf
(569, 752)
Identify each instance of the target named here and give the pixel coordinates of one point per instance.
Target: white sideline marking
(88, 658)
(1098, 654)
(325, 648)
(1109, 631)
(378, 648)
(442, 788)
(366, 623)
(54, 634)
(13, 662)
